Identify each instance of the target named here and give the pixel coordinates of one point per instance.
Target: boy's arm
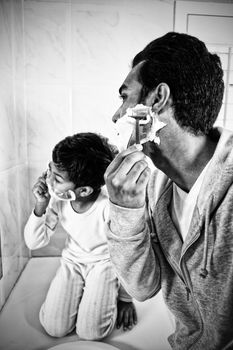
(39, 229)
(44, 218)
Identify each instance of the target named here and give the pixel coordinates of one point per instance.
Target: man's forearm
(132, 253)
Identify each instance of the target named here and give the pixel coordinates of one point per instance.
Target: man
(173, 228)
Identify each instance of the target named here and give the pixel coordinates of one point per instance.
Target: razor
(141, 114)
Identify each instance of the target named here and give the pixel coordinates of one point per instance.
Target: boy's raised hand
(41, 194)
(126, 315)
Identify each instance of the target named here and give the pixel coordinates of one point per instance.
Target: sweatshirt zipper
(188, 284)
(176, 270)
(185, 279)
(190, 291)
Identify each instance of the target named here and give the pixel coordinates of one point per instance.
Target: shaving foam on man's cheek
(124, 128)
(155, 127)
(149, 125)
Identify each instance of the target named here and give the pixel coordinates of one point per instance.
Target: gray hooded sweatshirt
(196, 276)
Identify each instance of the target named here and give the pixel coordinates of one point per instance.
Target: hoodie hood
(219, 175)
(218, 179)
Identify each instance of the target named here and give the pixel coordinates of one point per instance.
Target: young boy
(84, 291)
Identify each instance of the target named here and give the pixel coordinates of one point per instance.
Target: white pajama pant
(82, 296)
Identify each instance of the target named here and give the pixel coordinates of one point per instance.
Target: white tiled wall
(14, 197)
(77, 54)
(212, 22)
(61, 64)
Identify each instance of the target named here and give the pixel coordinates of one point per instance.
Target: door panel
(213, 24)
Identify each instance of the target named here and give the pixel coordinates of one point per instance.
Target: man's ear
(159, 97)
(84, 191)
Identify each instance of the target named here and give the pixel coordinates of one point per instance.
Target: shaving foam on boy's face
(67, 195)
(62, 196)
(149, 125)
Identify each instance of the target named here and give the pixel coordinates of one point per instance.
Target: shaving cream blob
(61, 196)
(149, 124)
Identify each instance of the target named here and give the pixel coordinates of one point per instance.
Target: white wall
(212, 23)
(14, 199)
(76, 56)
(61, 64)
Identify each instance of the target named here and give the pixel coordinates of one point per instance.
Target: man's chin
(149, 147)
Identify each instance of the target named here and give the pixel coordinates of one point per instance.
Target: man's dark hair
(194, 76)
(85, 156)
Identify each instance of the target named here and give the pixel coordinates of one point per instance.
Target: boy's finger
(42, 187)
(42, 179)
(130, 322)
(135, 317)
(44, 174)
(126, 321)
(119, 319)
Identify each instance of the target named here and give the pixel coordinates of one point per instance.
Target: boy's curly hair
(85, 157)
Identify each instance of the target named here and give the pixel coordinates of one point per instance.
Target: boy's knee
(93, 332)
(52, 327)
(87, 334)
(54, 332)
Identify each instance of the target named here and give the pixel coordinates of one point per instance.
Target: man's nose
(117, 115)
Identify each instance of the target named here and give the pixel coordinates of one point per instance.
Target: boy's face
(58, 179)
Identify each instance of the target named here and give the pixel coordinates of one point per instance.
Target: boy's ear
(159, 97)
(84, 191)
